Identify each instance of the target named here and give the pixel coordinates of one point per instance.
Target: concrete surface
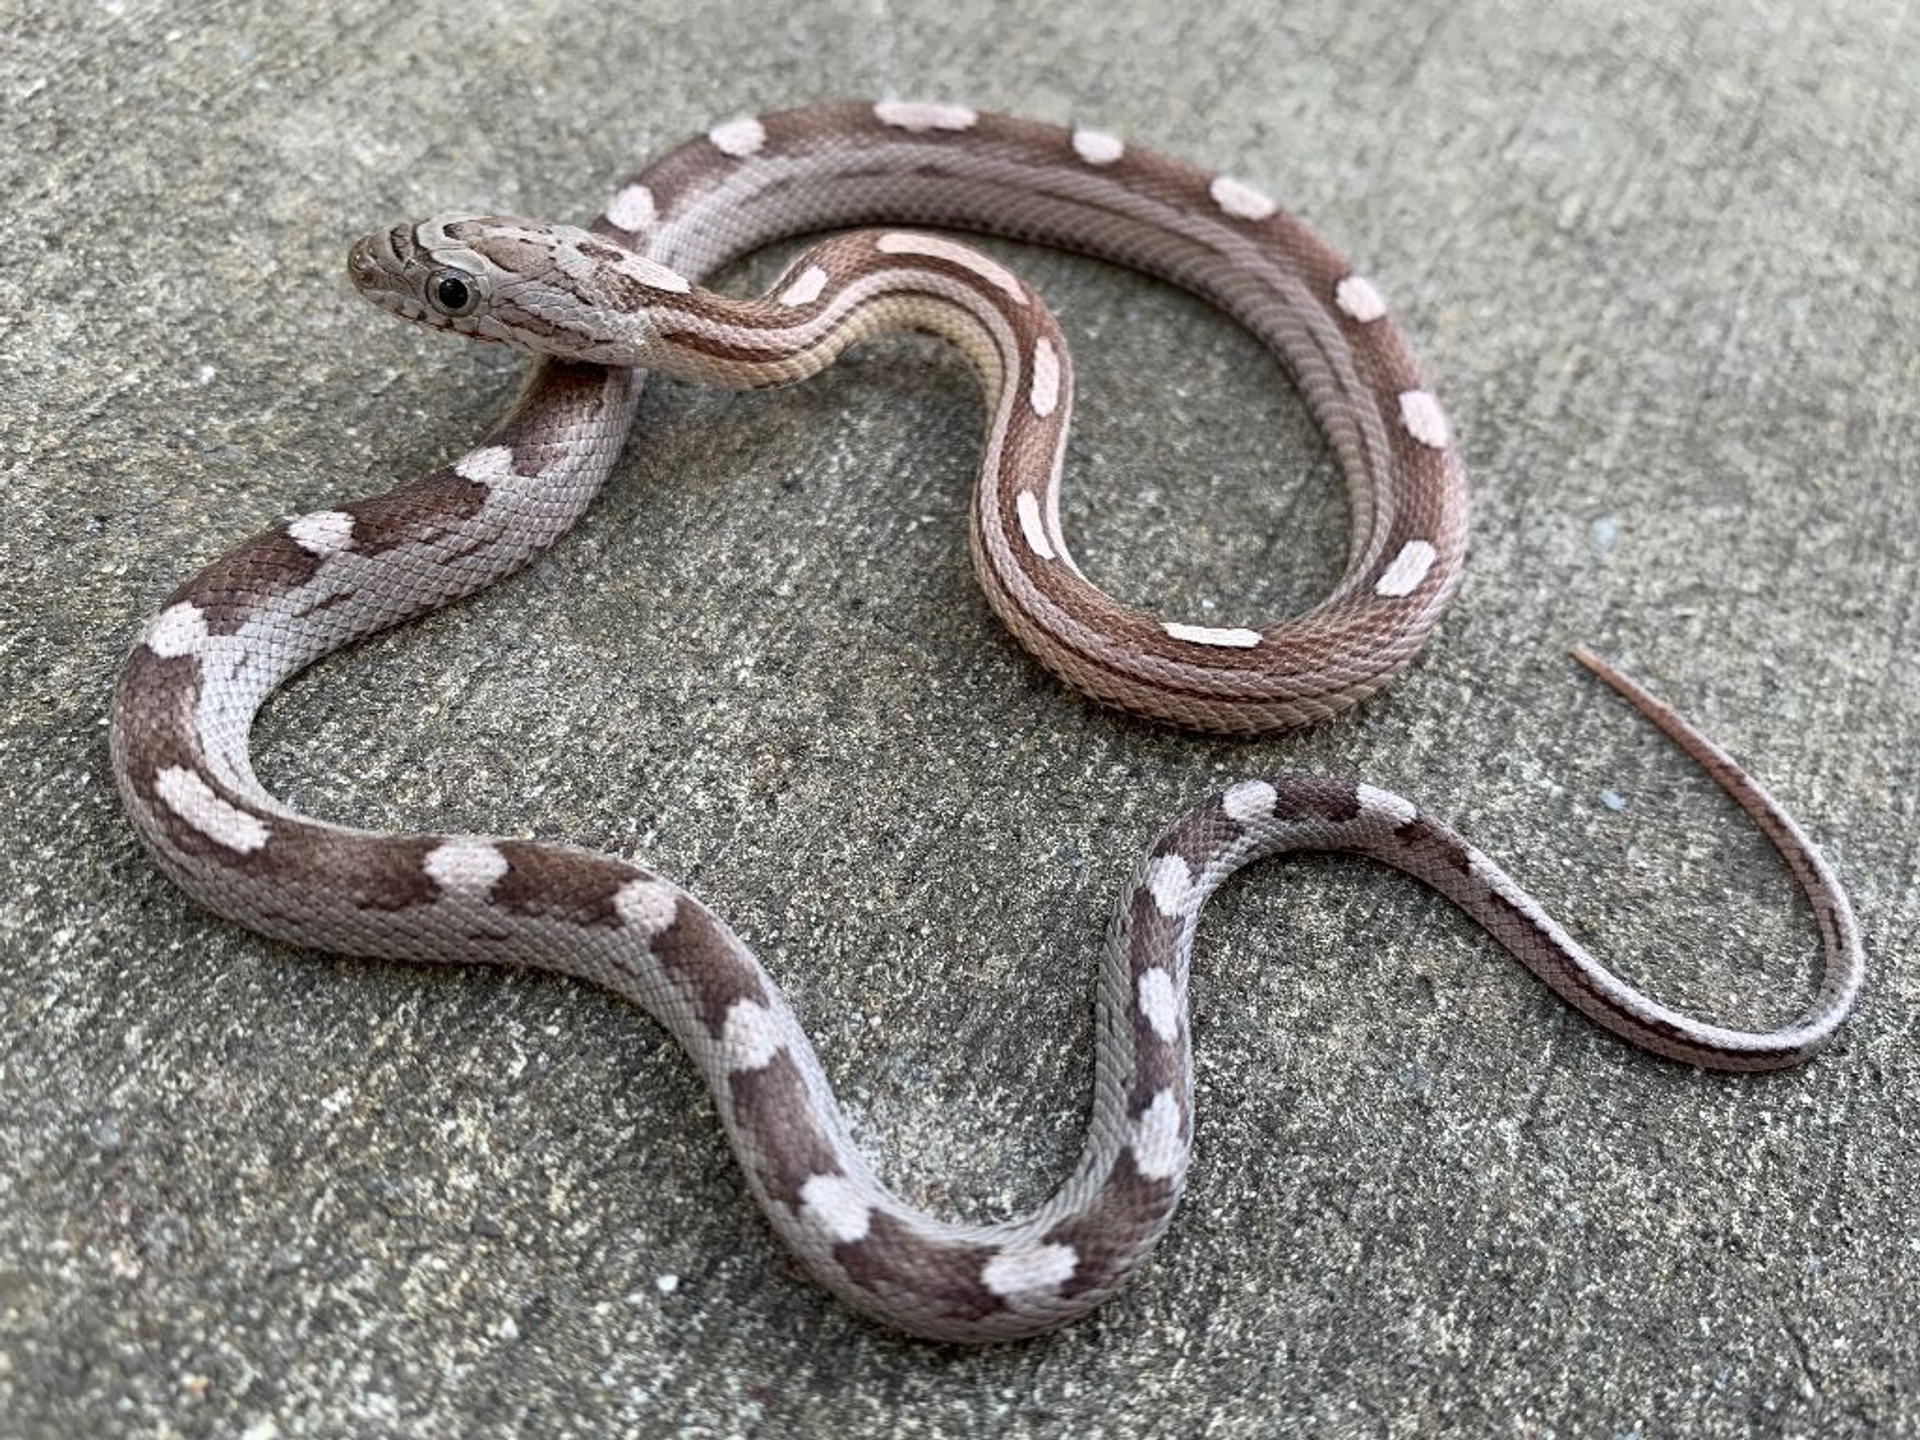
(1661, 261)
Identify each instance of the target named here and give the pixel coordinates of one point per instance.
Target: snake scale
(603, 305)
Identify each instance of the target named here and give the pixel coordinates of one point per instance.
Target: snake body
(626, 293)
(585, 296)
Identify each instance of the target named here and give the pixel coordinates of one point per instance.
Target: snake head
(551, 289)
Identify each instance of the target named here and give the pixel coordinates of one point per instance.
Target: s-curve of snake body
(603, 305)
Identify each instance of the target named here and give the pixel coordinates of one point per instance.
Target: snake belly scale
(625, 293)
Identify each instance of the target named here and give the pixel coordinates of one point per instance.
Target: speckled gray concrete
(1663, 269)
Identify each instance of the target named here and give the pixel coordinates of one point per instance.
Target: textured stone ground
(1661, 262)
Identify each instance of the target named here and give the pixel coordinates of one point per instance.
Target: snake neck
(831, 297)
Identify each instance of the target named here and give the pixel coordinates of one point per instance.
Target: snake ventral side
(604, 304)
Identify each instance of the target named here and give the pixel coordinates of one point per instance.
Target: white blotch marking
(465, 867)
(632, 209)
(1031, 525)
(904, 242)
(1424, 418)
(1157, 1150)
(751, 1037)
(1250, 800)
(739, 138)
(177, 630)
(1171, 883)
(654, 275)
(1386, 804)
(1044, 395)
(833, 1204)
(1157, 1004)
(647, 906)
(324, 532)
(924, 115)
(1240, 199)
(806, 287)
(1359, 299)
(1097, 147)
(1208, 635)
(1024, 1272)
(487, 466)
(1408, 569)
(193, 800)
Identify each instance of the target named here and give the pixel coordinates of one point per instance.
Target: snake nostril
(362, 265)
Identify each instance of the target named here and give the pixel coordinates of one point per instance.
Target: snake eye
(453, 293)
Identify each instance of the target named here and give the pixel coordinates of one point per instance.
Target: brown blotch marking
(1436, 854)
(789, 129)
(549, 882)
(1106, 1238)
(1151, 935)
(1427, 839)
(230, 590)
(431, 508)
(697, 952)
(1309, 798)
(380, 873)
(154, 712)
(154, 706)
(1157, 1065)
(373, 873)
(185, 838)
(510, 252)
(599, 250)
(893, 1262)
(559, 394)
(690, 165)
(1197, 836)
(1032, 439)
(775, 1107)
